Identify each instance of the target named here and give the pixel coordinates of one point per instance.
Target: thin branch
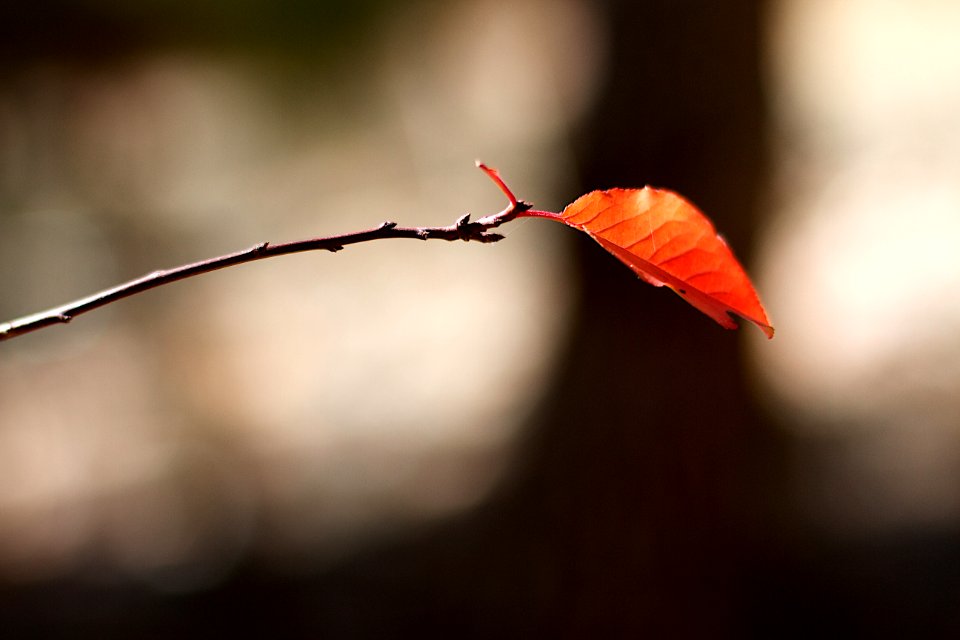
(462, 229)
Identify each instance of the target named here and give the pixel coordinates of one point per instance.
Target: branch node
(333, 248)
(64, 317)
(468, 231)
(387, 225)
(423, 234)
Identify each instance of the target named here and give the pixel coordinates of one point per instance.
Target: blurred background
(406, 439)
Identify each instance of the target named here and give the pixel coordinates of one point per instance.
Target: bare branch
(462, 229)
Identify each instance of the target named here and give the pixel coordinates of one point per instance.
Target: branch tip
(494, 175)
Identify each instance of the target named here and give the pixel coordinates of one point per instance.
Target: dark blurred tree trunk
(645, 455)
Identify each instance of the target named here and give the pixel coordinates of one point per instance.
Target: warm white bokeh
(860, 266)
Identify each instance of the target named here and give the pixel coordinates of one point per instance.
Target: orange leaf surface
(668, 242)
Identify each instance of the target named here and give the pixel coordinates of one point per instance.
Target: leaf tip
(763, 325)
(768, 330)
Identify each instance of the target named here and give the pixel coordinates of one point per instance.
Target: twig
(462, 229)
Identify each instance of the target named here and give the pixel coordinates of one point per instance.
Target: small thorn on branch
(387, 225)
(468, 231)
(489, 236)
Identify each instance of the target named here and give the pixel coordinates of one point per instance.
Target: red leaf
(667, 241)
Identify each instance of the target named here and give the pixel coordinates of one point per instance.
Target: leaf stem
(536, 213)
(463, 229)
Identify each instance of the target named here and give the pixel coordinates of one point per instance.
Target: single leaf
(668, 242)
